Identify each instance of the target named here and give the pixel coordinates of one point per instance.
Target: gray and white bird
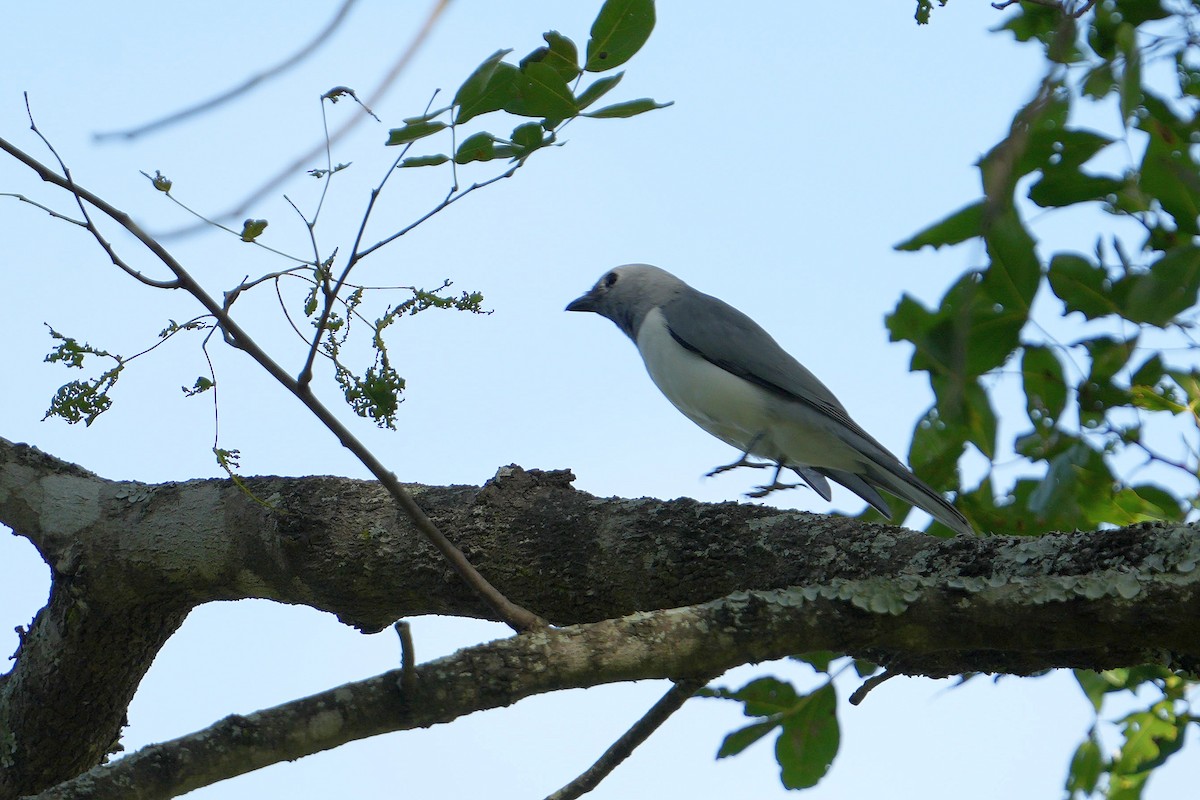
(727, 374)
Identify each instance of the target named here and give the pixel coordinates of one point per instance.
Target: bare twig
(69, 184)
(224, 97)
(305, 158)
(47, 209)
(870, 683)
(408, 662)
(622, 748)
(515, 616)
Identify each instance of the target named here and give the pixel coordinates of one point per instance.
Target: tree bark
(130, 560)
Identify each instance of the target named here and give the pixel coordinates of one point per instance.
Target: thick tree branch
(136, 557)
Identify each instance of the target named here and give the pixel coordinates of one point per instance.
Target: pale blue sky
(805, 140)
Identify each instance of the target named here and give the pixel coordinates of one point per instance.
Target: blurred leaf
(597, 89)
(1086, 767)
(809, 741)
(935, 450)
(742, 738)
(1169, 171)
(252, 229)
(1031, 22)
(620, 30)
(818, 659)
(413, 131)
(529, 136)
(540, 91)
(1044, 381)
(964, 224)
(766, 696)
(981, 420)
(1015, 272)
(1146, 503)
(1131, 72)
(1166, 290)
(425, 161)
(1081, 285)
(560, 53)
(630, 108)
(482, 146)
(482, 91)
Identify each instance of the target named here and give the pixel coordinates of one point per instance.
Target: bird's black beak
(585, 303)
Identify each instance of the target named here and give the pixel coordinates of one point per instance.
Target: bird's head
(627, 294)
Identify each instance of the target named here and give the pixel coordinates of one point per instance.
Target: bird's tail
(897, 479)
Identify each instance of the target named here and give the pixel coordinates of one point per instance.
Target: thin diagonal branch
(515, 616)
(224, 97)
(622, 748)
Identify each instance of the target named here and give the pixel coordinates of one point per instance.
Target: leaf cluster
(545, 85)
(1090, 400)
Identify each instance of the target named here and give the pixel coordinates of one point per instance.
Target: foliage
(807, 724)
(1090, 402)
(545, 86)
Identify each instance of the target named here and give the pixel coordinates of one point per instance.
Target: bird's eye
(610, 279)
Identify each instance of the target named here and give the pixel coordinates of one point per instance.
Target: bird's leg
(744, 461)
(773, 486)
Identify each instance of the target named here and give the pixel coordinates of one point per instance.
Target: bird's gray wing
(721, 334)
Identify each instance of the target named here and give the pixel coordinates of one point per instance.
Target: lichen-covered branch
(129, 560)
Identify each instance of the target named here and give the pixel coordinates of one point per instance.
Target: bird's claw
(744, 461)
(774, 486)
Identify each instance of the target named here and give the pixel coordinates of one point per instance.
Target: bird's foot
(744, 461)
(774, 485)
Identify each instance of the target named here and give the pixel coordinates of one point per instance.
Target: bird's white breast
(736, 411)
(728, 407)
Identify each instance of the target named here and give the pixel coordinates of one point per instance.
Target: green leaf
(809, 741)
(766, 696)
(201, 385)
(818, 659)
(540, 91)
(560, 53)
(1131, 73)
(630, 108)
(488, 88)
(1086, 767)
(1145, 503)
(482, 146)
(620, 30)
(1015, 272)
(981, 420)
(413, 131)
(1168, 170)
(1095, 685)
(252, 229)
(597, 89)
(1064, 187)
(964, 224)
(529, 136)
(935, 450)
(425, 161)
(1168, 289)
(1045, 383)
(742, 738)
(1081, 285)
